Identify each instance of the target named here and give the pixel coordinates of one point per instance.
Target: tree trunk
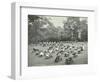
(79, 34)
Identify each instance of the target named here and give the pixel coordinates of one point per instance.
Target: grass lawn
(34, 60)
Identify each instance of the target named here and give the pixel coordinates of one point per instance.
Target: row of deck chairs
(60, 49)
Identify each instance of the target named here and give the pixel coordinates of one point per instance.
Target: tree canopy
(40, 28)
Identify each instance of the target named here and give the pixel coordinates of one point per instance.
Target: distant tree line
(41, 29)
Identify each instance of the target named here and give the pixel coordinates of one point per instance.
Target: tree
(40, 29)
(84, 30)
(75, 27)
(34, 24)
(71, 25)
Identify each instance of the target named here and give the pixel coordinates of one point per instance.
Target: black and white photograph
(57, 40)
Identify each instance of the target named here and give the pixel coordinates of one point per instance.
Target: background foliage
(41, 29)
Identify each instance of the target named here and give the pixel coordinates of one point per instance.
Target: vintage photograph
(57, 40)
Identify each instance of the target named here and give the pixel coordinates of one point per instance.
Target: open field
(77, 51)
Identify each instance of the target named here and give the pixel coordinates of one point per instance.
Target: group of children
(59, 50)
